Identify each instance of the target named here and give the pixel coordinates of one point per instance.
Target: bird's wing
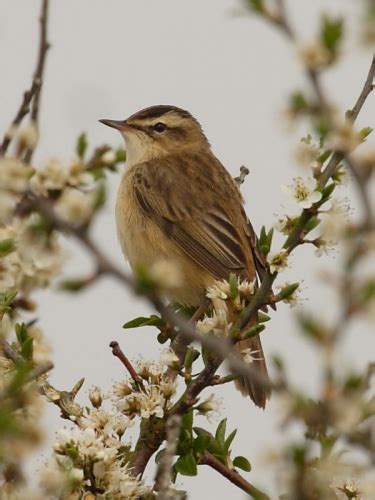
(197, 206)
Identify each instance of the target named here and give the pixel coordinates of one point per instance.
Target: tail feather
(250, 387)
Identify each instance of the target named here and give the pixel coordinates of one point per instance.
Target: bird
(177, 202)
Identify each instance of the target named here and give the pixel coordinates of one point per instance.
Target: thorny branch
(31, 97)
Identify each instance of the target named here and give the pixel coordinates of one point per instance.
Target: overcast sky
(110, 59)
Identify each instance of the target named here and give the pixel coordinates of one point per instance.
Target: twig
(361, 185)
(21, 113)
(368, 87)
(244, 171)
(164, 473)
(9, 352)
(33, 94)
(40, 370)
(206, 458)
(116, 351)
(39, 71)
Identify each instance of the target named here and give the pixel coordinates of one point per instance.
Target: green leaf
(229, 440)
(269, 237)
(324, 156)
(262, 236)
(364, 133)
(255, 5)
(262, 317)
(153, 320)
(186, 465)
(242, 463)
(162, 338)
(7, 246)
(187, 421)
(233, 286)
(120, 155)
(21, 332)
(72, 284)
(220, 432)
(27, 348)
(298, 102)
(72, 453)
(288, 290)
(328, 190)
(81, 145)
(8, 298)
(312, 224)
(202, 432)
(189, 357)
(331, 33)
(159, 455)
(201, 443)
(100, 195)
(254, 330)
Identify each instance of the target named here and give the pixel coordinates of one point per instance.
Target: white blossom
(14, 175)
(315, 55)
(8, 203)
(108, 157)
(75, 207)
(150, 402)
(217, 323)
(303, 192)
(219, 290)
(344, 138)
(277, 261)
(169, 358)
(52, 176)
(246, 288)
(209, 407)
(250, 355)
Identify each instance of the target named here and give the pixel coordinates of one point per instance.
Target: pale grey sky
(110, 59)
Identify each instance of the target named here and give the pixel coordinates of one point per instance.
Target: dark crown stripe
(156, 111)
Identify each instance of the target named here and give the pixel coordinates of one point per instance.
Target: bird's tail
(251, 387)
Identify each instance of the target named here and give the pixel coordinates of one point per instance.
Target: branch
(31, 96)
(361, 185)
(21, 113)
(116, 351)
(164, 472)
(368, 87)
(39, 71)
(232, 475)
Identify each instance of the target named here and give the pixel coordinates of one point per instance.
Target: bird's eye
(160, 127)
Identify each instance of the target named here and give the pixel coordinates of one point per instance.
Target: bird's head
(159, 131)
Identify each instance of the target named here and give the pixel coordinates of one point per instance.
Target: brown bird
(177, 202)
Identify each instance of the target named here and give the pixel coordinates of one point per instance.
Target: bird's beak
(117, 124)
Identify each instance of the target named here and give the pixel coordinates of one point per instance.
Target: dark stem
(33, 94)
(116, 351)
(39, 71)
(206, 458)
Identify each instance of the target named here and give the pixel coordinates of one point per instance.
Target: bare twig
(39, 71)
(9, 352)
(206, 458)
(164, 473)
(244, 171)
(368, 87)
(21, 113)
(33, 94)
(364, 196)
(116, 351)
